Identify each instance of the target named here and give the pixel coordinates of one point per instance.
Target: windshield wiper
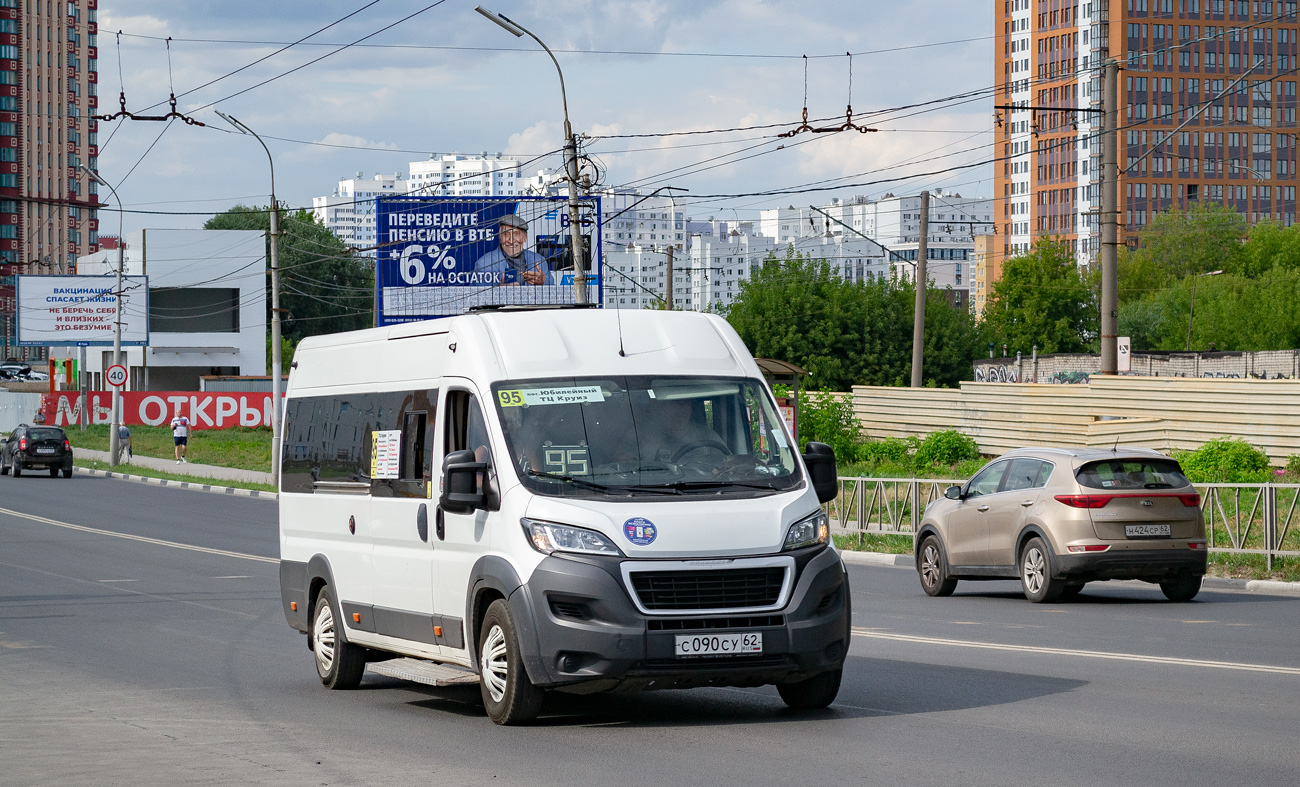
(570, 479)
(685, 485)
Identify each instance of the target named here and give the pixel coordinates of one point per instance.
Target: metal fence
(1256, 519)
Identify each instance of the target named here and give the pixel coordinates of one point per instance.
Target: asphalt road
(124, 660)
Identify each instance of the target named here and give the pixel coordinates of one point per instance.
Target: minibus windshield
(621, 436)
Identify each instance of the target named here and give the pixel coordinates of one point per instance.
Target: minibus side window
(466, 429)
(409, 412)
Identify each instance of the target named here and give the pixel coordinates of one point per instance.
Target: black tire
(18, 467)
(1036, 573)
(54, 472)
(812, 694)
(1181, 589)
(67, 471)
(1072, 589)
(4, 468)
(508, 695)
(339, 663)
(932, 567)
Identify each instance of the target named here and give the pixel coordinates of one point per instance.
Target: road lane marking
(1091, 654)
(141, 539)
(119, 580)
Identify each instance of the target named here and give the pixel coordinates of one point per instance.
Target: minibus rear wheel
(339, 664)
(508, 695)
(813, 693)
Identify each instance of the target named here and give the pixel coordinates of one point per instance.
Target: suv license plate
(45, 450)
(719, 644)
(1146, 530)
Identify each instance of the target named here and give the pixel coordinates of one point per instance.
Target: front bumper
(1152, 565)
(587, 635)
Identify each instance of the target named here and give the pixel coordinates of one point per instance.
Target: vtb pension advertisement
(439, 256)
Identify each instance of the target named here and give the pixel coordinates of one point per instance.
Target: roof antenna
(619, 314)
(1114, 448)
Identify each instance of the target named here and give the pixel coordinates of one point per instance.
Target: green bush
(948, 447)
(1227, 460)
(824, 418)
(890, 450)
(1293, 465)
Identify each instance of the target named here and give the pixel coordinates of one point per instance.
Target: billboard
(72, 311)
(205, 409)
(440, 256)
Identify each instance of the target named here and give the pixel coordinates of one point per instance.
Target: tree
(1043, 299)
(324, 286)
(1175, 245)
(848, 333)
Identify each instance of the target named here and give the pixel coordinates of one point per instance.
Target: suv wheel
(934, 569)
(18, 467)
(1036, 572)
(1181, 589)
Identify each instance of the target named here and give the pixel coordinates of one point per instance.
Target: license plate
(1146, 530)
(46, 450)
(719, 644)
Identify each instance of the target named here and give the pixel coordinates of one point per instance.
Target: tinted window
(1026, 474)
(986, 481)
(1132, 474)
(45, 433)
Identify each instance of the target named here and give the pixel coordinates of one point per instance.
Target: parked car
(1060, 518)
(12, 371)
(30, 447)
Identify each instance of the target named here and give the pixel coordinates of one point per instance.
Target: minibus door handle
(440, 525)
(422, 522)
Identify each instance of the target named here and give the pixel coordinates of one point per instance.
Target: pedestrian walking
(180, 436)
(124, 443)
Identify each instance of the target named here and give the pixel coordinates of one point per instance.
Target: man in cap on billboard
(512, 263)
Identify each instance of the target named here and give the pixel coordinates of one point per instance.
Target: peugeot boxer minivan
(556, 499)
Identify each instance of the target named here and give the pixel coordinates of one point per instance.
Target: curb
(1269, 587)
(192, 486)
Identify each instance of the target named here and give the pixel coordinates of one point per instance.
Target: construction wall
(1164, 413)
(1075, 368)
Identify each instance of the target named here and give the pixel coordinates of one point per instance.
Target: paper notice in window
(539, 396)
(385, 453)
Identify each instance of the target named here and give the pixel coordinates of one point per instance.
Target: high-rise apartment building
(1226, 69)
(48, 83)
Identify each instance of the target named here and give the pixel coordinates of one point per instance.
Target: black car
(29, 447)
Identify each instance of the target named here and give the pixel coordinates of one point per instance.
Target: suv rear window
(1132, 474)
(46, 433)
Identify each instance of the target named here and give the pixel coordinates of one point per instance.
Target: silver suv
(1059, 518)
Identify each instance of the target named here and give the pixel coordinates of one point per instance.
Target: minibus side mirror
(952, 493)
(460, 490)
(820, 461)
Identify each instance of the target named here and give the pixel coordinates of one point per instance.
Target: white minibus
(567, 499)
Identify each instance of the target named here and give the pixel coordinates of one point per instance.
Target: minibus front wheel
(339, 663)
(813, 693)
(508, 695)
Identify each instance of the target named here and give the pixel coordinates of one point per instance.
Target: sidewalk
(201, 471)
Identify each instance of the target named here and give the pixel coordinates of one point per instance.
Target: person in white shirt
(180, 435)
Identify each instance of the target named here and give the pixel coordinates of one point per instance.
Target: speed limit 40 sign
(116, 375)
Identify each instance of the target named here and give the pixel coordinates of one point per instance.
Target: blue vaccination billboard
(441, 256)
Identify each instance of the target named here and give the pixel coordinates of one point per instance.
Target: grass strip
(129, 469)
(243, 448)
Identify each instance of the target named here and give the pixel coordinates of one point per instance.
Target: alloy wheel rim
(325, 639)
(1033, 570)
(930, 566)
(494, 664)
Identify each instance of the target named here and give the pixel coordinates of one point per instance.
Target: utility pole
(114, 442)
(918, 319)
(1109, 218)
(668, 286)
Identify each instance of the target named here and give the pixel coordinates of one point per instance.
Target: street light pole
(276, 359)
(571, 155)
(114, 442)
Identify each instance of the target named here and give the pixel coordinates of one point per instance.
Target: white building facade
(350, 211)
(207, 306)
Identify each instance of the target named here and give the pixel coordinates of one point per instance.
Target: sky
(447, 80)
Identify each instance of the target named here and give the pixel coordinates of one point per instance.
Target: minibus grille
(727, 588)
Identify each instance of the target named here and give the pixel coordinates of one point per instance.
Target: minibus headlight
(807, 532)
(548, 537)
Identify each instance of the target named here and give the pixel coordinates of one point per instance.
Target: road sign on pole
(116, 375)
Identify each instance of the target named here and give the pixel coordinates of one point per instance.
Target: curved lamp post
(570, 151)
(114, 442)
(276, 359)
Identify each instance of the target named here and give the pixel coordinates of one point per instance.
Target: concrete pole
(1110, 218)
(668, 284)
(575, 220)
(922, 279)
(82, 381)
(114, 442)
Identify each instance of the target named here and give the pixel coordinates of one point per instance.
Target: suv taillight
(1191, 500)
(67, 446)
(22, 444)
(1084, 501)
